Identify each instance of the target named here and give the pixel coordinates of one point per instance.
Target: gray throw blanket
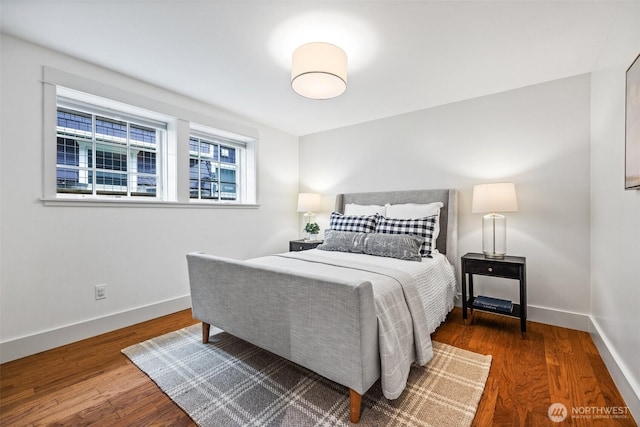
(402, 332)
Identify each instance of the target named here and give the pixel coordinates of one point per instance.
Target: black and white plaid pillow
(422, 227)
(353, 223)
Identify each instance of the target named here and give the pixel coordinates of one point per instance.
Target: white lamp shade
(495, 197)
(319, 70)
(309, 202)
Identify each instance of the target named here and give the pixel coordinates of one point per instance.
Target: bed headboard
(447, 242)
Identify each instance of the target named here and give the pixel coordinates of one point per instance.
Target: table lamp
(492, 199)
(309, 203)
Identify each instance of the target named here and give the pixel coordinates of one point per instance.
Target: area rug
(230, 382)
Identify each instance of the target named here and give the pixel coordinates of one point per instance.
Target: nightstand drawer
(298, 247)
(493, 269)
(303, 245)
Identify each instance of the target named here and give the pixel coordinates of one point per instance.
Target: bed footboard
(355, 398)
(326, 326)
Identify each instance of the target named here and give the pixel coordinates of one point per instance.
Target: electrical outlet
(101, 291)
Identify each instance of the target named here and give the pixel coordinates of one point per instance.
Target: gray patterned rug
(230, 382)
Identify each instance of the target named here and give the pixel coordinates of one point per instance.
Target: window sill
(93, 202)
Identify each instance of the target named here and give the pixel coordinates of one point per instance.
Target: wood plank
(136, 400)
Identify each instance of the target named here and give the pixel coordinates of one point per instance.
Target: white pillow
(413, 211)
(355, 209)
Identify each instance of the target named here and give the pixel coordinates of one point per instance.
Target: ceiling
(403, 55)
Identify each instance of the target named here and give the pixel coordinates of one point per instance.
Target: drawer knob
(490, 269)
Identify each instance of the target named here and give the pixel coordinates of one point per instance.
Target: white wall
(537, 137)
(51, 257)
(615, 225)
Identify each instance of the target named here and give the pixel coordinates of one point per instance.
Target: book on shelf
(502, 305)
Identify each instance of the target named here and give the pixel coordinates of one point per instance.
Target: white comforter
(411, 298)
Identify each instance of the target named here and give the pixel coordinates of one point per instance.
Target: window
(106, 146)
(103, 153)
(214, 168)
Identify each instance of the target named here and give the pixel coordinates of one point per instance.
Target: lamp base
(494, 236)
(494, 256)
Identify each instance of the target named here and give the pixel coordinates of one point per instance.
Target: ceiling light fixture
(319, 70)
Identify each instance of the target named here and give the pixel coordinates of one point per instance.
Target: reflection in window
(118, 158)
(212, 170)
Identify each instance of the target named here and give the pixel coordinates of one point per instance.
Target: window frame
(238, 166)
(92, 141)
(180, 122)
(245, 155)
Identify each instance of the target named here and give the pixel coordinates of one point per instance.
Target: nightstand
(510, 267)
(303, 245)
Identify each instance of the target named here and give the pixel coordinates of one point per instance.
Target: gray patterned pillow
(401, 246)
(343, 241)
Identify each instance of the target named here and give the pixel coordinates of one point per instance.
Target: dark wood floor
(527, 375)
(92, 383)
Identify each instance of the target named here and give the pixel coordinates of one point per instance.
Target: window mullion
(161, 155)
(199, 169)
(219, 170)
(94, 150)
(129, 161)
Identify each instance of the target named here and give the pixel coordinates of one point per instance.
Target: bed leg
(205, 332)
(355, 400)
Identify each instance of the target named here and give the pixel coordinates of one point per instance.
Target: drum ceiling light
(319, 70)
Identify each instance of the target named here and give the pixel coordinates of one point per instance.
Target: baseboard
(32, 344)
(629, 389)
(554, 317)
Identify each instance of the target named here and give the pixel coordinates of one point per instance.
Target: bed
(350, 317)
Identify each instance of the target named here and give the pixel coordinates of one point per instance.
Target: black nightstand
(510, 267)
(303, 245)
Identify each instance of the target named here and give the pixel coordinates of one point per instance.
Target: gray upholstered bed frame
(326, 325)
